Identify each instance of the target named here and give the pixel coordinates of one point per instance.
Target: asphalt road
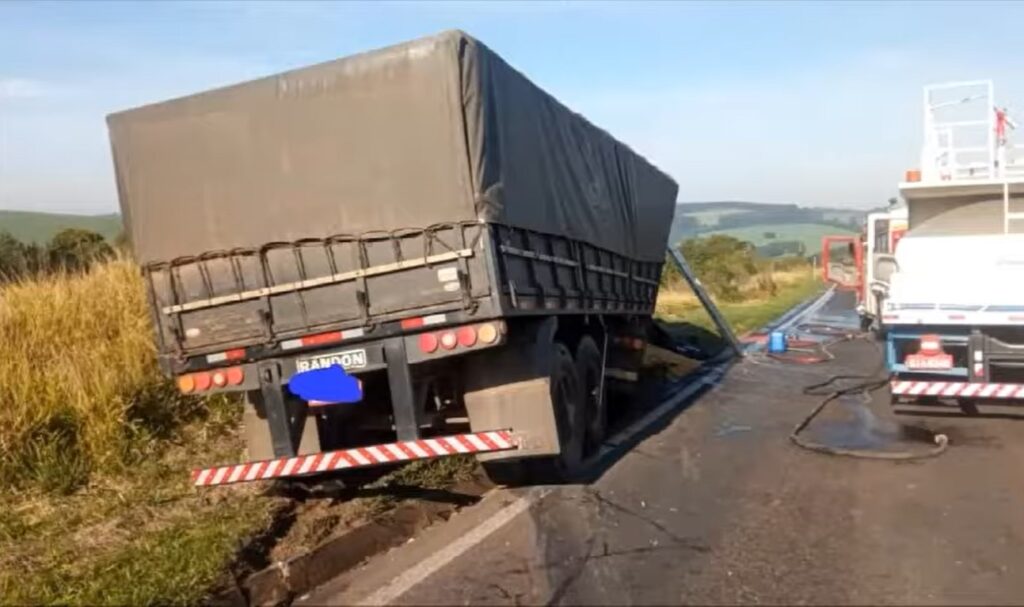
(719, 507)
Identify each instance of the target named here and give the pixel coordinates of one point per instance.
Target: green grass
(808, 233)
(29, 226)
(744, 316)
(176, 564)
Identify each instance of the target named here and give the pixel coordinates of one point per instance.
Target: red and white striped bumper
(960, 389)
(359, 457)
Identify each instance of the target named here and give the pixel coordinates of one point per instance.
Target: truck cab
(882, 232)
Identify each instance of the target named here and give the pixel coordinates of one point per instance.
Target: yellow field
(78, 376)
(95, 447)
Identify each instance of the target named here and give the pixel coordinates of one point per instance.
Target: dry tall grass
(79, 386)
(678, 295)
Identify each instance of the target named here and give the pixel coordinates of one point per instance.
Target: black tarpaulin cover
(431, 131)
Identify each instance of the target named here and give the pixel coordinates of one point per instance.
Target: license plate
(933, 362)
(346, 359)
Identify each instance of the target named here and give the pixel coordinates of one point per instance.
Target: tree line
(70, 250)
(730, 268)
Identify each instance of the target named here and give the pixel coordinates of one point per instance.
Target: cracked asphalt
(718, 507)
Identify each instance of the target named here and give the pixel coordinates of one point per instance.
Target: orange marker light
(186, 384)
(487, 333)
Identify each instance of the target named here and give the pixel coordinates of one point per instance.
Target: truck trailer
(408, 253)
(954, 311)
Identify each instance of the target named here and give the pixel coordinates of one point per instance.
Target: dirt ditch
(326, 527)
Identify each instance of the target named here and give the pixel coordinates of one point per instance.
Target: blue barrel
(776, 342)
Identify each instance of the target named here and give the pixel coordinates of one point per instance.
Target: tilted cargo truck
(479, 260)
(954, 313)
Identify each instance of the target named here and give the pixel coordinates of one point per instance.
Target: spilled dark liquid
(851, 424)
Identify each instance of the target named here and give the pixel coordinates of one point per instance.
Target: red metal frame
(858, 259)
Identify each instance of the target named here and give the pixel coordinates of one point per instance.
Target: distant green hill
(808, 234)
(29, 226)
(779, 227)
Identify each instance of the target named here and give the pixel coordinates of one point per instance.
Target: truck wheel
(968, 406)
(570, 419)
(510, 473)
(588, 366)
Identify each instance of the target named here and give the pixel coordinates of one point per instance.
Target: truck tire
(968, 406)
(588, 366)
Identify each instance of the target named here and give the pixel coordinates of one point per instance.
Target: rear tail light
(630, 343)
(428, 342)
(186, 384)
(203, 381)
(488, 333)
(449, 340)
(236, 375)
(467, 337)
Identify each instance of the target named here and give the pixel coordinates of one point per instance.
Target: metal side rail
(695, 284)
(357, 457)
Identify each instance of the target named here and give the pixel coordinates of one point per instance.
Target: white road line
(394, 589)
(405, 582)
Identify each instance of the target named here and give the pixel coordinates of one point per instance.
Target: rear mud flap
(524, 407)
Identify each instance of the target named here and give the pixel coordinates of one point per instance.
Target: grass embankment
(95, 504)
(756, 308)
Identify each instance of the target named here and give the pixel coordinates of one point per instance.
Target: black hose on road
(865, 388)
(867, 384)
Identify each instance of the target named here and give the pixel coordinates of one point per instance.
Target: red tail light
(428, 342)
(467, 336)
(236, 375)
(203, 381)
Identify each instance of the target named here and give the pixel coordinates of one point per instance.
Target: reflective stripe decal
(941, 388)
(475, 442)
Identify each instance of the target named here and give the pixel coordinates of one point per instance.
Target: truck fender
(509, 388)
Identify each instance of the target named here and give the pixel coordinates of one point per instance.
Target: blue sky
(801, 102)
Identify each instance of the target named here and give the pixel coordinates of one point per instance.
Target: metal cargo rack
(261, 296)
